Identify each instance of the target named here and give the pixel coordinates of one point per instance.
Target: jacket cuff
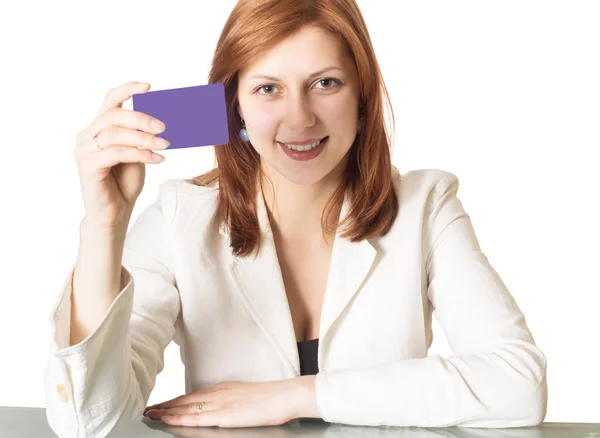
(60, 318)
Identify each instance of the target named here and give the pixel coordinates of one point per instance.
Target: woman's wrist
(305, 399)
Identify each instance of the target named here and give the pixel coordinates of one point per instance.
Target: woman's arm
(496, 376)
(105, 380)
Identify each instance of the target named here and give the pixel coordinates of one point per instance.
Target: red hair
(254, 26)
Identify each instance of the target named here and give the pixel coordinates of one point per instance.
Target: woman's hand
(241, 404)
(111, 155)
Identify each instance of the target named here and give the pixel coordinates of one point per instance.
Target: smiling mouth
(304, 147)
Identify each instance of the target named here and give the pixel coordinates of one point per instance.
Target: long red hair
(252, 27)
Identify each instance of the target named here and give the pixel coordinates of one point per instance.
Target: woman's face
(304, 88)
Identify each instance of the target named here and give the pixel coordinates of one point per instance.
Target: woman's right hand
(112, 174)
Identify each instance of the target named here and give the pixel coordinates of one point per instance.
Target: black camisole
(307, 351)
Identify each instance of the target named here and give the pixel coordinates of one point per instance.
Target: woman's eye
(328, 80)
(265, 87)
(267, 90)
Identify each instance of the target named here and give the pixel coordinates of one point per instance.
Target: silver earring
(359, 126)
(244, 133)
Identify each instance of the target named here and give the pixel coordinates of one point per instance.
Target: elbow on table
(529, 398)
(527, 408)
(535, 405)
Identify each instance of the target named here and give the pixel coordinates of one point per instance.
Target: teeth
(304, 148)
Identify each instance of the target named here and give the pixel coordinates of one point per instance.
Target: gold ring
(200, 406)
(96, 141)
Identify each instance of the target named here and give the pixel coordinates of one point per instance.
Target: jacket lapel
(348, 269)
(260, 285)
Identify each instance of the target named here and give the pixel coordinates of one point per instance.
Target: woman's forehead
(306, 52)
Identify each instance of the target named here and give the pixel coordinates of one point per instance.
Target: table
(21, 422)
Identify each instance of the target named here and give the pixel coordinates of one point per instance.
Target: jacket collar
(260, 286)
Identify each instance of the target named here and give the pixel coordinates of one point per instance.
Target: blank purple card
(194, 116)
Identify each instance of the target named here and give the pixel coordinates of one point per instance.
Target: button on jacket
(231, 318)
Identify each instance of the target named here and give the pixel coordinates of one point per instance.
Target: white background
(506, 95)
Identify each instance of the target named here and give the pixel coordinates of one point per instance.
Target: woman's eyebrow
(312, 75)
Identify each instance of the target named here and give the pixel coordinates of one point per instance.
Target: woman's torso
(240, 318)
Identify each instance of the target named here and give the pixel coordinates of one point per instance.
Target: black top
(307, 350)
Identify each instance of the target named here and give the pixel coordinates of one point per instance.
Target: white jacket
(231, 319)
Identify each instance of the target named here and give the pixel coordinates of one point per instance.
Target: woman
(298, 282)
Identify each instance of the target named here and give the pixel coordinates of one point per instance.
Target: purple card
(194, 116)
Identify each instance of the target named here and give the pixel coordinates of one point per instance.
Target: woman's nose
(299, 114)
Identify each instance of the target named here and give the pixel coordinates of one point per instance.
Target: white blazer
(231, 318)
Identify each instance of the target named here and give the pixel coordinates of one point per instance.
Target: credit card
(194, 116)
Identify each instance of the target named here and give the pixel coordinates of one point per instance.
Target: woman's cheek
(265, 123)
(336, 108)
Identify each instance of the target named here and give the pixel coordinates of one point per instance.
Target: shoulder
(427, 185)
(427, 203)
(178, 197)
(427, 198)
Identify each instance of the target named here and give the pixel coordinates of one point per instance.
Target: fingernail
(154, 413)
(161, 142)
(158, 125)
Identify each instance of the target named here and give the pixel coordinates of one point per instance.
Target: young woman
(300, 275)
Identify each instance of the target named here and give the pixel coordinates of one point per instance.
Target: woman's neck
(295, 211)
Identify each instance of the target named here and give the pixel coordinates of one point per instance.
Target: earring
(359, 125)
(244, 133)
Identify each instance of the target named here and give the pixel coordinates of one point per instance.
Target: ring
(96, 141)
(200, 406)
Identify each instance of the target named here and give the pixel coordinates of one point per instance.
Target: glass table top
(24, 422)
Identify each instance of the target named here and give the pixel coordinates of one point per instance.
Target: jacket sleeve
(495, 377)
(105, 380)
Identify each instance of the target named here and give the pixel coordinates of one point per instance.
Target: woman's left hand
(241, 404)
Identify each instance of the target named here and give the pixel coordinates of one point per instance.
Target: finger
(120, 154)
(129, 137)
(123, 118)
(184, 399)
(115, 97)
(188, 409)
(200, 419)
(177, 401)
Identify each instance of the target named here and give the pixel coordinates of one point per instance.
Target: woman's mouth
(304, 152)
